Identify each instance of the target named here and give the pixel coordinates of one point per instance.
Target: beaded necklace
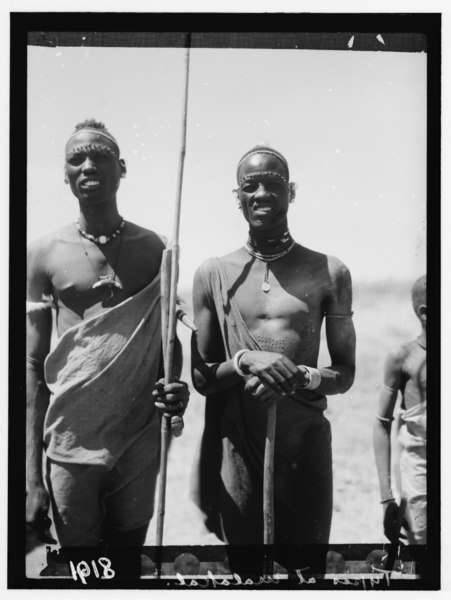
(108, 281)
(284, 244)
(101, 239)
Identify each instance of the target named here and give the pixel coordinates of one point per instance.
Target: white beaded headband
(263, 150)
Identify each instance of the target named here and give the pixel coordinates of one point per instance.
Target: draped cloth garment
(229, 483)
(412, 444)
(101, 375)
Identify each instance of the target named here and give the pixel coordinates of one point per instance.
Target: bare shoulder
(145, 236)
(45, 245)
(316, 262)
(337, 269)
(397, 355)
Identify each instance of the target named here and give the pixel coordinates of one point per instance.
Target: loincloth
(412, 463)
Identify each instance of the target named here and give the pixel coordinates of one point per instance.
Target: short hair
(419, 293)
(93, 124)
(264, 150)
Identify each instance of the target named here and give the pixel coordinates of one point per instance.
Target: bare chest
(278, 299)
(415, 377)
(87, 279)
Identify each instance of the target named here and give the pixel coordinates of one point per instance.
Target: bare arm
(392, 515)
(383, 420)
(340, 334)
(39, 328)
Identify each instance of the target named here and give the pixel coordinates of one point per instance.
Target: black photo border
(318, 31)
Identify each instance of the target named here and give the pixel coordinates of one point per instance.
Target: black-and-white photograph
(226, 302)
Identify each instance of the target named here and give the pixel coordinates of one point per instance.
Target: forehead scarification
(72, 151)
(262, 175)
(93, 139)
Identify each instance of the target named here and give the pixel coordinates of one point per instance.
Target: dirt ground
(383, 318)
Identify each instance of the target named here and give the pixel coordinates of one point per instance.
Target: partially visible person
(405, 374)
(92, 402)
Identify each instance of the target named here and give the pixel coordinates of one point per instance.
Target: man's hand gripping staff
(169, 394)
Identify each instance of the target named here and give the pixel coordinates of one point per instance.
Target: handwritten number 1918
(82, 569)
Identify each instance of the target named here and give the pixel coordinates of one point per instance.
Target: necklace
(269, 246)
(101, 239)
(269, 258)
(108, 281)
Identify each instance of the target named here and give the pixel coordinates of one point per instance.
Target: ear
(66, 178)
(291, 192)
(123, 167)
(422, 313)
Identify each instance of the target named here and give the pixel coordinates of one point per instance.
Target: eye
(98, 156)
(250, 187)
(273, 186)
(76, 159)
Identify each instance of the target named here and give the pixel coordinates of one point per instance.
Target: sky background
(351, 124)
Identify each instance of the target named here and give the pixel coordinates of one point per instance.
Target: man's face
(93, 168)
(263, 192)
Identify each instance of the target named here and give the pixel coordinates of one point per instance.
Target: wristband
(314, 378)
(236, 362)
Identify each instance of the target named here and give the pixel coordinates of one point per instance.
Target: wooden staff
(268, 485)
(169, 280)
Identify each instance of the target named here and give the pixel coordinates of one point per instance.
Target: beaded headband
(263, 150)
(108, 136)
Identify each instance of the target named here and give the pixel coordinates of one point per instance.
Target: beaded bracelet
(236, 362)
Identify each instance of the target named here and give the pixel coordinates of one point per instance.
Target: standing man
(92, 400)
(259, 312)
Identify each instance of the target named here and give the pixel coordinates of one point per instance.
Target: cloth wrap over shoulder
(101, 375)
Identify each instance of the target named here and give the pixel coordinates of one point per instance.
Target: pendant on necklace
(266, 286)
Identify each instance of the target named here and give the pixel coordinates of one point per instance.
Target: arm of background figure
(39, 329)
(392, 519)
(382, 429)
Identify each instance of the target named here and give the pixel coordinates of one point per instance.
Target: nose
(261, 191)
(88, 164)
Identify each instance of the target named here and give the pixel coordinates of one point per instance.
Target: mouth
(90, 184)
(262, 210)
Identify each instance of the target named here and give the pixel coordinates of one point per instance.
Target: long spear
(169, 280)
